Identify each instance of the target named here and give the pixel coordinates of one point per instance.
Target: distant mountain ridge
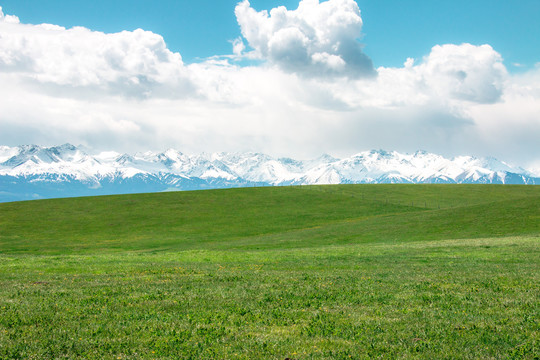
(32, 171)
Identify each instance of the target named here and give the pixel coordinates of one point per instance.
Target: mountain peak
(172, 169)
(327, 158)
(30, 148)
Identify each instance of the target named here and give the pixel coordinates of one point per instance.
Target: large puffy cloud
(135, 63)
(468, 72)
(317, 39)
(452, 76)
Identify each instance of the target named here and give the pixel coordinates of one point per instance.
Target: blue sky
(336, 76)
(393, 29)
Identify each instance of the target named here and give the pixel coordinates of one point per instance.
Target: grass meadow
(311, 272)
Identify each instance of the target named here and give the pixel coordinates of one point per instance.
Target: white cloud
(8, 18)
(468, 72)
(238, 46)
(317, 39)
(135, 63)
(128, 92)
(452, 76)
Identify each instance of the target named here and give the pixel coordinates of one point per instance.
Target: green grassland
(311, 272)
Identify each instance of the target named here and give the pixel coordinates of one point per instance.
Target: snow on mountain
(534, 171)
(66, 166)
(61, 160)
(7, 153)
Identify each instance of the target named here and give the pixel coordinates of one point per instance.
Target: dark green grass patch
(298, 216)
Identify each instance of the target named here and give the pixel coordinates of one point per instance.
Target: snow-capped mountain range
(31, 171)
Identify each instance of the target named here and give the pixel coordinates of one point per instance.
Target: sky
(287, 78)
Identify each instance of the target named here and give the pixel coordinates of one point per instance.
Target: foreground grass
(446, 299)
(306, 273)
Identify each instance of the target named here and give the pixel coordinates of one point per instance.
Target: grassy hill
(311, 272)
(268, 217)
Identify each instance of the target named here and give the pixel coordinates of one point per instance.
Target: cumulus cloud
(468, 72)
(453, 76)
(135, 63)
(316, 39)
(238, 46)
(8, 18)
